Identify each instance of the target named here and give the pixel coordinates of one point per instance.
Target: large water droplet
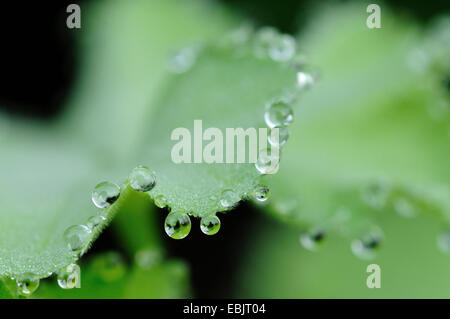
(404, 207)
(304, 80)
(443, 241)
(261, 193)
(283, 135)
(77, 237)
(210, 225)
(366, 246)
(177, 225)
(27, 285)
(278, 114)
(282, 48)
(69, 277)
(160, 201)
(268, 161)
(142, 179)
(229, 198)
(312, 239)
(105, 194)
(148, 258)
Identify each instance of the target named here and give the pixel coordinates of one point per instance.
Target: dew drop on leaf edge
(177, 225)
(142, 179)
(27, 285)
(210, 225)
(229, 198)
(278, 113)
(105, 194)
(69, 277)
(77, 237)
(261, 193)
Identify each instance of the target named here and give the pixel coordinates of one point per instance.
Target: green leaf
(366, 123)
(48, 173)
(224, 90)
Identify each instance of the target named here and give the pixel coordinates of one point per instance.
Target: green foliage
(366, 123)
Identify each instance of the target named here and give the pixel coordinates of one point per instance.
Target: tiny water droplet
(404, 208)
(142, 179)
(27, 285)
(282, 48)
(283, 135)
(148, 258)
(366, 246)
(312, 239)
(177, 225)
(278, 114)
(229, 198)
(94, 221)
(268, 161)
(160, 201)
(105, 194)
(304, 80)
(375, 194)
(69, 277)
(110, 266)
(210, 225)
(77, 237)
(183, 60)
(261, 193)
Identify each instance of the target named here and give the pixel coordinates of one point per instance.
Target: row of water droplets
(266, 43)
(378, 195)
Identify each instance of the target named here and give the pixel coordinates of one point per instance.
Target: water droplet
(183, 60)
(210, 225)
(278, 114)
(94, 221)
(177, 225)
(160, 201)
(404, 208)
(229, 198)
(304, 80)
(366, 246)
(443, 241)
(283, 135)
(142, 179)
(240, 36)
(148, 258)
(261, 193)
(77, 237)
(282, 48)
(264, 38)
(27, 285)
(311, 240)
(268, 161)
(375, 194)
(110, 266)
(105, 194)
(69, 277)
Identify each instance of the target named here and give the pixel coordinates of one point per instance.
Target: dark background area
(37, 68)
